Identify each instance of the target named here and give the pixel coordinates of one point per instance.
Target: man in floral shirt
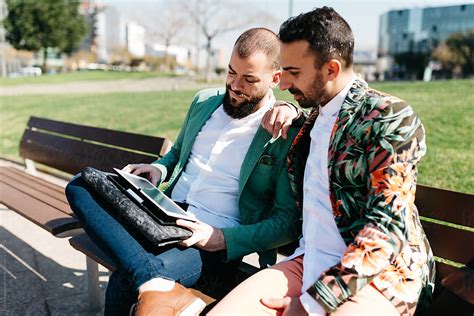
(353, 169)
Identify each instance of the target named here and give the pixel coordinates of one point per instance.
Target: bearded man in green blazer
(226, 170)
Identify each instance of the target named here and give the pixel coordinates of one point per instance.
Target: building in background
(419, 31)
(105, 30)
(114, 31)
(135, 39)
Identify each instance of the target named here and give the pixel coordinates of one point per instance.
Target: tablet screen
(155, 195)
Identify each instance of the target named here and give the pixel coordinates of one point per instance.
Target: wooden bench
(68, 148)
(452, 246)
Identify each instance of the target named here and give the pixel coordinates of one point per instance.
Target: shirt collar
(332, 107)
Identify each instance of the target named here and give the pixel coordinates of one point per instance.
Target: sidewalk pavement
(39, 273)
(106, 86)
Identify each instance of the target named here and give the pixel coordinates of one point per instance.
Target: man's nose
(285, 84)
(236, 84)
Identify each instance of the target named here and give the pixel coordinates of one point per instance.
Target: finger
(188, 242)
(285, 129)
(154, 180)
(140, 169)
(187, 224)
(271, 119)
(128, 168)
(279, 122)
(276, 303)
(276, 130)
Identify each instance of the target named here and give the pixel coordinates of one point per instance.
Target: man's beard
(316, 96)
(245, 108)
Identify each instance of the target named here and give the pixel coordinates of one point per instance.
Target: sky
(362, 16)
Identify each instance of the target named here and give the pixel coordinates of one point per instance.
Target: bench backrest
(448, 220)
(71, 147)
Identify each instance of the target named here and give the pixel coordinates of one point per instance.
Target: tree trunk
(45, 58)
(167, 56)
(208, 61)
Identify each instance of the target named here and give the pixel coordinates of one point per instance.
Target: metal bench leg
(93, 288)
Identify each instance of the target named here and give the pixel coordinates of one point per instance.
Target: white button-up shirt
(322, 243)
(210, 181)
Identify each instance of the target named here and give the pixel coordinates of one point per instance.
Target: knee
(74, 183)
(77, 194)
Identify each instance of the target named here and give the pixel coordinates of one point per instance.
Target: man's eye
(251, 80)
(294, 73)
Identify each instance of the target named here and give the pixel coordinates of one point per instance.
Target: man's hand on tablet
(152, 173)
(204, 236)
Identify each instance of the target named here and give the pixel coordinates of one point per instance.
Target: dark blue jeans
(136, 260)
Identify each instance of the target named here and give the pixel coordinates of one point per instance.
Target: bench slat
(149, 144)
(443, 270)
(30, 178)
(42, 214)
(38, 195)
(72, 156)
(449, 242)
(444, 205)
(37, 190)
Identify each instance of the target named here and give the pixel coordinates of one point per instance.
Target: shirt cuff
(163, 170)
(312, 307)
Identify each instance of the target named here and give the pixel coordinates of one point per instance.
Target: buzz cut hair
(261, 40)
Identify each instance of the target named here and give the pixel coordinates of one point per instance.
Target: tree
(411, 64)
(172, 24)
(443, 55)
(214, 18)
(461, 46)
(41, 24)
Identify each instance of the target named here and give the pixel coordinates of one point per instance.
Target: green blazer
(268, 213)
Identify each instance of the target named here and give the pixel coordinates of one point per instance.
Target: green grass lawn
(81, 76)
(445, 107)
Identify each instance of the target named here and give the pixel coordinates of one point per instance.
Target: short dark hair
(259, 40)
(328, 34)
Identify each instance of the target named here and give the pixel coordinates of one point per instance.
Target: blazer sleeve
(396, 146)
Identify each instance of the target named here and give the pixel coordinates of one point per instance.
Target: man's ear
(333, 69)
(275, 79)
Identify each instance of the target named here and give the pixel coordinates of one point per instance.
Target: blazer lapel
(255, 151)
(345, 116)
(196, 123)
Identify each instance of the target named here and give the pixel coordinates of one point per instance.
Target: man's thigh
(283, 279)
(368, 301)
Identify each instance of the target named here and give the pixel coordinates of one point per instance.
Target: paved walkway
(40, 274)
(125, 85)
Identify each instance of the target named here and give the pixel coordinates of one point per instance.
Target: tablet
(145, 189)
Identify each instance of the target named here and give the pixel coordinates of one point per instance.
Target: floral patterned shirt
(375, 145)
